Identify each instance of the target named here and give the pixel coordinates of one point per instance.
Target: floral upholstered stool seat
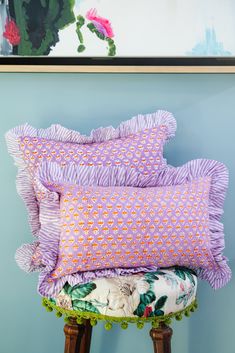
(154, 297)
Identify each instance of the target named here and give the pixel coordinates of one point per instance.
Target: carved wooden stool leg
(77, 337)
(86, 339)
(161, 338)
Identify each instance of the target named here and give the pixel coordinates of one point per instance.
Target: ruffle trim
(221, 274)
(82, 317)
(53, 287)
(50, 232)
(218, 173)
(52, 172)
(24, 258)
(60, 133)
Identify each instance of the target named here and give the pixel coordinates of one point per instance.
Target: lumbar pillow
(137, 143)
(92, 220)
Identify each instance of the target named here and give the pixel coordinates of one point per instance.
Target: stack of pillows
(108, 204)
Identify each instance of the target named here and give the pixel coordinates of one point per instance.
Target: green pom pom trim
(66, 320)
(93, 322)
(108, 326)
(168, 321)
(58, 314)
(155, 324)
(44, 302)
(80, 320)
(124, 325)
(140, 325)
(178, 317)
(81, 316)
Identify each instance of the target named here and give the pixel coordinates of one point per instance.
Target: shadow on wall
(215, 311)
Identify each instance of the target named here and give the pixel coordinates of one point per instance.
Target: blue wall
(204, 106)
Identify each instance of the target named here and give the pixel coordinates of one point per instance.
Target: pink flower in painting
(102, 24)
(12, 33)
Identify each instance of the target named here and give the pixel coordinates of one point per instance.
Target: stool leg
(77, 337)
(161, 338)
(86, 339)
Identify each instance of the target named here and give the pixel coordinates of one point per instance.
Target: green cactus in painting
(39, 23)
(79, 24)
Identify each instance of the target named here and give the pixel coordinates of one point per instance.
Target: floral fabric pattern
(141, 295)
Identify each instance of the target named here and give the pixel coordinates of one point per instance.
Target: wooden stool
(153, 298)
(78, 338)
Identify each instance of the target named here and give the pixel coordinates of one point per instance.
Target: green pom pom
(187, 313)
(192, 309)
(178, 317)
(80, 320)
(140, 325)
(155, 324)
(49, 309)
(93, 322)
(124, 325)
(108, 326)
(66, 319)
(168, 321)
(58, 314)
(195, 305)
(44, 303)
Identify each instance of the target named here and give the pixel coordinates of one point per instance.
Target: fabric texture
(29, 257)
(143, 295)
(136, 143)
(102, 227)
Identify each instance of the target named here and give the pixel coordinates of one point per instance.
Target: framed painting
(117, 36)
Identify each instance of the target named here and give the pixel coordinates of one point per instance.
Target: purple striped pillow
(92, 220)
(137, 143)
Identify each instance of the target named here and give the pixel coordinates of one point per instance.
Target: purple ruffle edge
(59, 133)
(85, 175)
(50, 231)
(219, 183)
(218, 277)
(24, 257)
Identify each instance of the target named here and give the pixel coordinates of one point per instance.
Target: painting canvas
(123, 28)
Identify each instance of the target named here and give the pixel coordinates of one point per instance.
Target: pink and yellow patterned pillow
(93, 221)
(137, 143)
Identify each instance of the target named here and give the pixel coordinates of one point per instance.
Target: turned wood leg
(161, 337)
(77, 337)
